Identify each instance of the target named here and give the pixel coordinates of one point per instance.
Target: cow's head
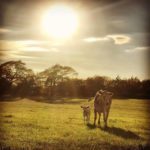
(85, 107)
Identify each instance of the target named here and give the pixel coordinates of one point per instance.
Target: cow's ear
(101, 91)
(99, 94)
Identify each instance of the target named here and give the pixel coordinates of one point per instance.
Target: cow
(102, 104)
(86, 113)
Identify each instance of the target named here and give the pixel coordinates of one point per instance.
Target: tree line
(61, 81)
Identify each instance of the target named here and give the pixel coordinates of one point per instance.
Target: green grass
(35, 125)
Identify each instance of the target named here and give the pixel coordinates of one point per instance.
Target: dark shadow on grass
(121, 132)
(116, 131)
(8, 116)
(91, 126)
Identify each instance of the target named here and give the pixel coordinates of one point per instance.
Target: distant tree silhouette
(54, 75)
(95, 83)
(145, 88)
(17, 80)
(12, 73)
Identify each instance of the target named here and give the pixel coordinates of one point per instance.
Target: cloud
(4, 30)
(34, 49)
(19, 56)
(12, 56)
(20, 46)
(95, 39)
(29, 42)
(119, 39)
(137, 49)
(53, 49)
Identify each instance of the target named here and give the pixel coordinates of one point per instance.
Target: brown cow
(102, 104)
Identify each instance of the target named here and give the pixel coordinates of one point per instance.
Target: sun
(60, 22)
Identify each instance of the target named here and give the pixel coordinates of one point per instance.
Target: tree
(95, 83)
(54, 75)
(13, 73)
(145, 89)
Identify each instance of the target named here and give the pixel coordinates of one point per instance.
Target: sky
(111, 38)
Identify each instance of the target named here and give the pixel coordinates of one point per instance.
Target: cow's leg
(99, 118)
(104, 117)
(107, 114)
(88, 118)
(84, 118)
(95, 117)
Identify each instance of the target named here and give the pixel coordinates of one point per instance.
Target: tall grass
(27, 124)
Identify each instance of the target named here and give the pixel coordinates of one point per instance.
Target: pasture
(30, 124)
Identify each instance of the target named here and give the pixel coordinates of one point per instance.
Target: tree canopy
(57, 80)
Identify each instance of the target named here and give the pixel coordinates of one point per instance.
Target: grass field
(29, 124)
